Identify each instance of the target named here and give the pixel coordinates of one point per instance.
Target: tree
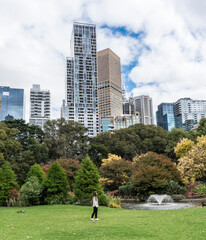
(87, 180)
(183, 147)
(7, 182)
(31, 191)
(173, 137)
(55, 185)
(201, 129)
(192, 165)
(65, 139)
(36, 171)
(115, 172)
(151, 173)
(97, 152)
(70, 167)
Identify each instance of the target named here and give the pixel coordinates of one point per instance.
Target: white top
(95, 202)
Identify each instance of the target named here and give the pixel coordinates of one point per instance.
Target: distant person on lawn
(95, 206)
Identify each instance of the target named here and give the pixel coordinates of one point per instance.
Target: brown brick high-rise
(109, 84)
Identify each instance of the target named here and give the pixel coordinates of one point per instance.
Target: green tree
(65, 139)
(70, 167)
(55, 184)
(36, 171)
(151, 173)
(97, 152)
(31, 191)
(87, 180)
(7, 182)
(201, 129)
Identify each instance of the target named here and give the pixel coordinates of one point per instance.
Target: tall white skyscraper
(39, 105)
(81, 103)
(143, 105)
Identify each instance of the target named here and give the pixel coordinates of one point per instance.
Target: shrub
(70, 167)
(127, 190)
(55, 185)
(113, 202)
(102, 200)
(7, 183)
(31, 191)
(173, 188)
(151, 173)
(201, 189)
(87, 180)
(13, 200)
(37, 171)
(114, 193)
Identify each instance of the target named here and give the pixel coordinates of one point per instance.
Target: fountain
(157, 202)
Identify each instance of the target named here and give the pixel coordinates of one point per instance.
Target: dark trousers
(95, 209)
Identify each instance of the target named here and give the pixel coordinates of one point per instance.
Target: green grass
(73, 222)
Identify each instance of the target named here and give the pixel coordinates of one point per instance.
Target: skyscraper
(188, 112)
(81, 103)
(143, 105)
(165, 116)
(12, 103)
(109, 84)
(40, 106)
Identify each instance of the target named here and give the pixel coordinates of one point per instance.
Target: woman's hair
(95, 194)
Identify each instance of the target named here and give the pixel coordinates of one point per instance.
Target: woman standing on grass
(95, 206)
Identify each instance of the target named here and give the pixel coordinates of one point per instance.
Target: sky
(162, 45)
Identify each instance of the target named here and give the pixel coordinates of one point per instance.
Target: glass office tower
(81, 82)
(12, 103)
(165, 116)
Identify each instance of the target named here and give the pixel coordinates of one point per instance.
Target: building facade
(115, 123)
(188, 112)
(11, 103)
(81, 103)
(39, 106)
(109, 84)
(165, 116)
(143, 106)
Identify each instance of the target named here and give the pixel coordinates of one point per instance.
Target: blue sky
(162, 45)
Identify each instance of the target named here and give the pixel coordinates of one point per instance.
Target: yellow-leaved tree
(183, 147)
(192, 164)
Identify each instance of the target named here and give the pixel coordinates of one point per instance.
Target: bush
(31, 191)
(201, 189)
(113, 193)
(173, 188)
(7, 183)
(55, 185)
(37, 171)
(102, 200)
(113, 202)
(177, 197)
(13, 200)
(127, 191)
(151, 173)
(87, 180)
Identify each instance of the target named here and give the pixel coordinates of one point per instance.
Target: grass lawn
(73, 222)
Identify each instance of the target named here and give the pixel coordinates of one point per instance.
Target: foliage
(113, 202)
(133, 140)
(55, 184)
(127, 191)
(115, 172)
(70, 167)
(183, 147)
(7, 183)
(102, 199)
(174, 188)
(13, 199)
(65, 139)
(87, 180)
(37, 171)
(201, 129)
(97, 152)
(192, 166)
(151, 173)
(31, 191)
(200, 189)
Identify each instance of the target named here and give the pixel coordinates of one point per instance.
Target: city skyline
(161, 45)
